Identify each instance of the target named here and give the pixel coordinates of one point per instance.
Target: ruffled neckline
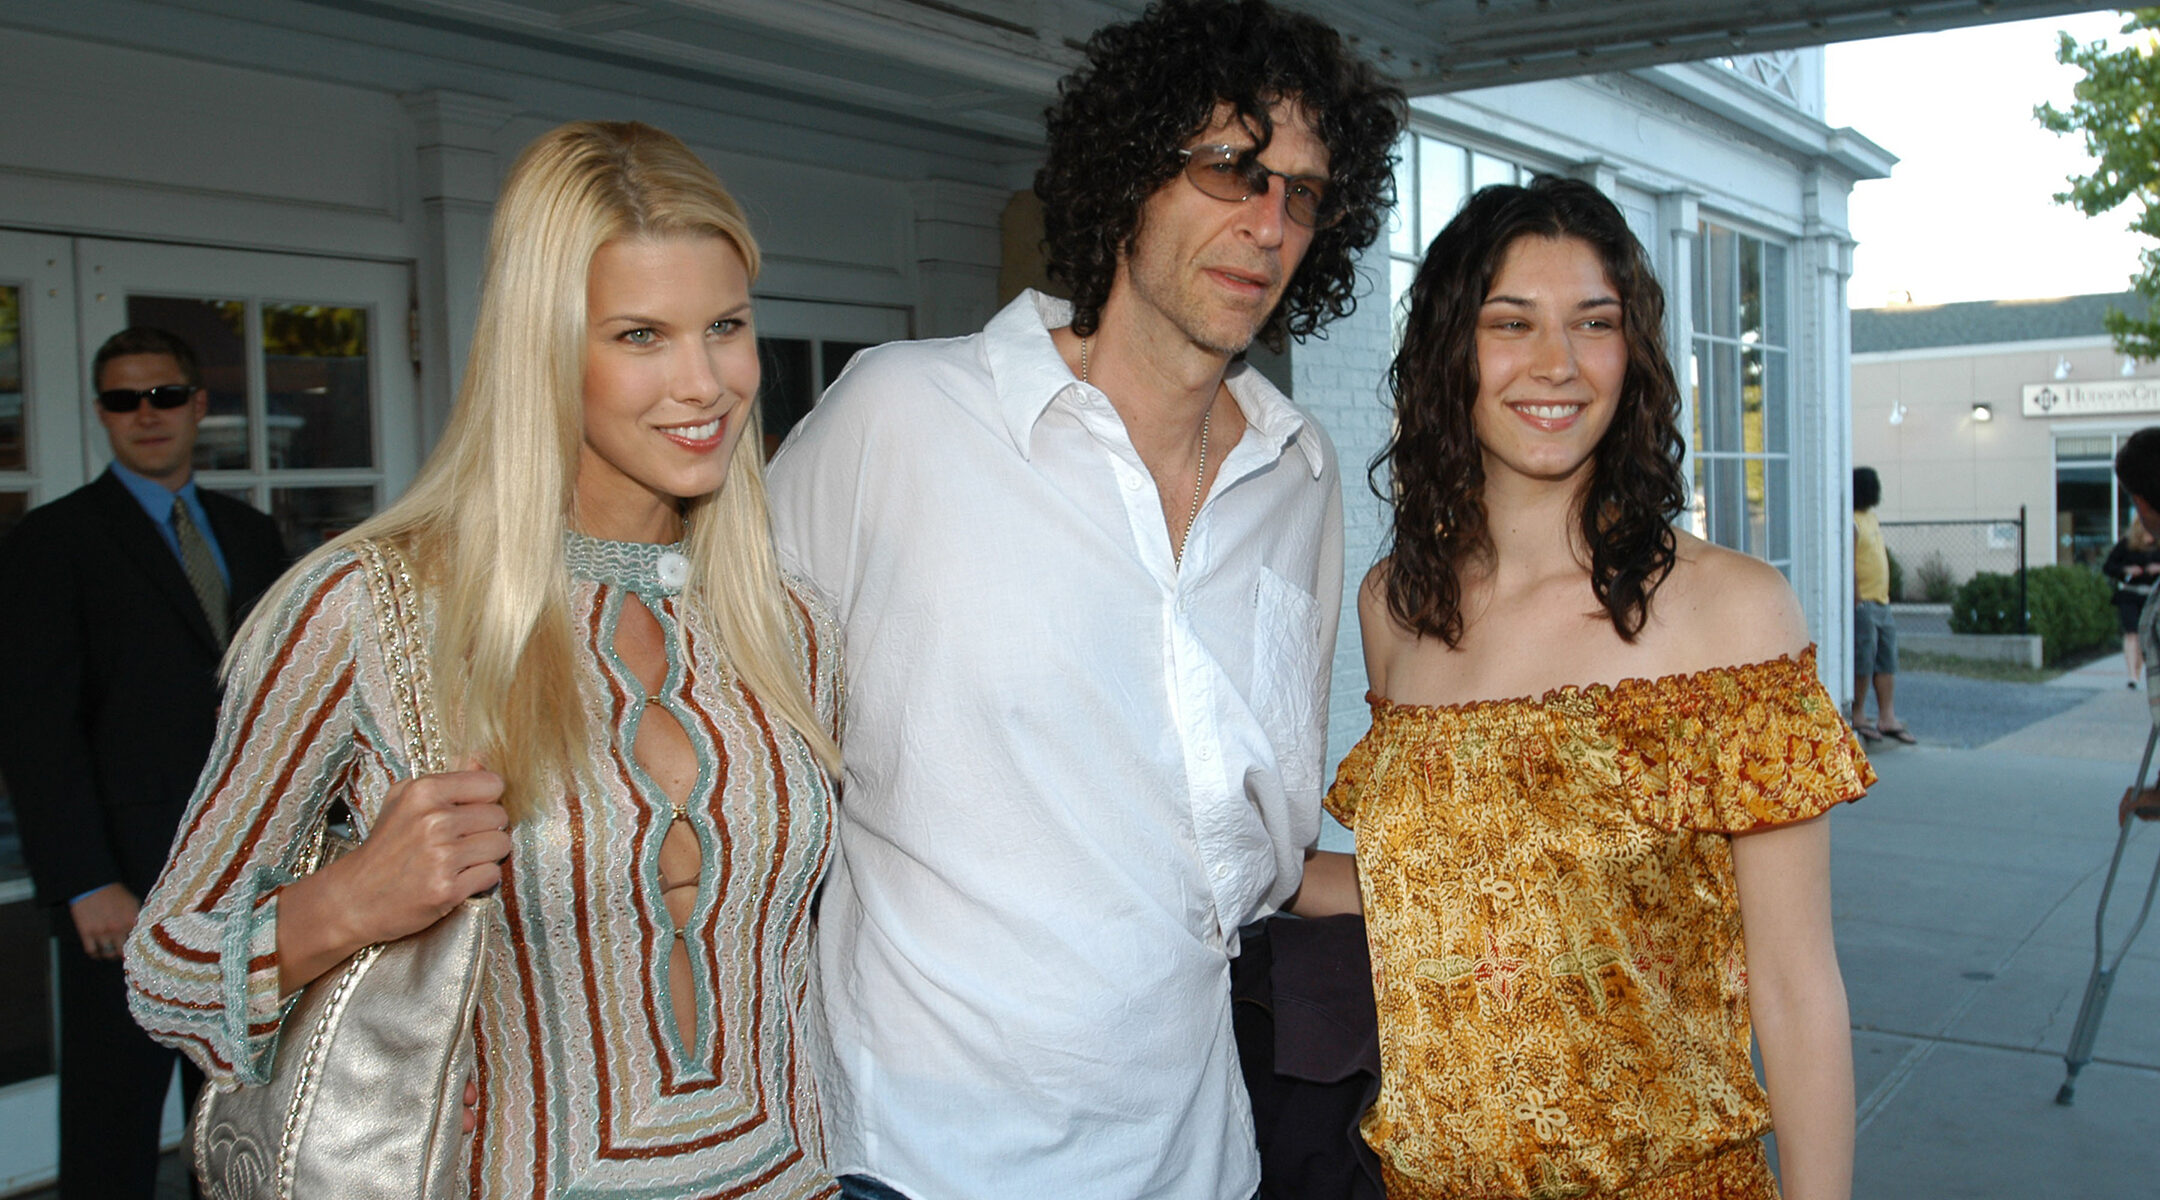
(1597, 694)
(647, 568)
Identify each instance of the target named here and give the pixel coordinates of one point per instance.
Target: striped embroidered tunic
(589, 1087)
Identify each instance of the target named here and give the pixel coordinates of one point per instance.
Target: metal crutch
(2103, 972)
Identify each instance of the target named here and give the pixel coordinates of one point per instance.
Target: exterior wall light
(2062, 366)
(1983, 412)
(1897, 413)
(2129, 367)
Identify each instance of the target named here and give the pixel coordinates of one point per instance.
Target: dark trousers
(113, 1080)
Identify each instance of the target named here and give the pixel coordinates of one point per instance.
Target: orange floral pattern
(1556, 944)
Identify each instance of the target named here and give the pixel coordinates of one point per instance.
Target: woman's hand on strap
(439, 840)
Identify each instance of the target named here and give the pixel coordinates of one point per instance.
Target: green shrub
(2068, 607)
(1986, 604)
(1897, 577)
(1936, 584)
(2072, 609)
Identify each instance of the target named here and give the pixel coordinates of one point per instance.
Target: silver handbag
(365, 1099)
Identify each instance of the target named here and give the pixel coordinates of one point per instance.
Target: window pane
(2084, 514)
(1724, 281)
(1402, 219)
(1699, 282)
(1697, 520)
(217, 331)
(1486, 170)
(308, 517)
(1728, 504)
(1758, 511)
(2100, 448)
(1775, 331)
(317, 386)
(1777, 401)
(1440, 189)
(787, 390)
(1751, 401)
(1750, 290)
(1699, 402)
(12, 506)
(1780, 507)
(1401, 274)
(13, 448)
(1722, 397)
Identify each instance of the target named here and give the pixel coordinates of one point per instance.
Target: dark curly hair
(1149, 85)
(1435, 461)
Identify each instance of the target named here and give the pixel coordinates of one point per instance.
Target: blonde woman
(643, 708)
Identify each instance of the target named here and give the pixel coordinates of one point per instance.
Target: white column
(1679, 221)
(959, 243)
(1822, 428)
(458, 174)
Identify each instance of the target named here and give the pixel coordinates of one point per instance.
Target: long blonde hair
(484, 519)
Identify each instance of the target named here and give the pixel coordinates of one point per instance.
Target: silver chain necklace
(1177, 552)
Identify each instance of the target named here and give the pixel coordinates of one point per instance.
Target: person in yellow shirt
(1874, 631)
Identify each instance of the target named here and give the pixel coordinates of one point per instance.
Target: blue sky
(1966, 214)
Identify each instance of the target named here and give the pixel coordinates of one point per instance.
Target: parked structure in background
(1973, 411)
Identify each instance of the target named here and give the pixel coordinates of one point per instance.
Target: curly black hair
(1149, 85)
(1435, 461)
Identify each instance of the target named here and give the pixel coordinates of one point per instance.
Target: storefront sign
(2090, 399)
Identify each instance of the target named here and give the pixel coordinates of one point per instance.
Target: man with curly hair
(1089, 565)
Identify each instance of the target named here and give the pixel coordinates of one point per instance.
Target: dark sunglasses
(1228, 173)
(125, 400)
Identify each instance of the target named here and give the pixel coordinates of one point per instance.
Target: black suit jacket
(108, 680)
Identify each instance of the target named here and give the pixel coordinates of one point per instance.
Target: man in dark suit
(116, 602)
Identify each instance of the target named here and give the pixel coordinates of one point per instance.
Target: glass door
(312, 411)
(41, 419)
(313, 419)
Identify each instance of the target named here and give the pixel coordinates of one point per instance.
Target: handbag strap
(405, 651)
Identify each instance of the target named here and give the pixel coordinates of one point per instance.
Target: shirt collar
(1030, 374)
(155, 497)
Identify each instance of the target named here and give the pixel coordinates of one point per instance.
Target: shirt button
(1218, 870)
(1206, 752)
(1132, 484)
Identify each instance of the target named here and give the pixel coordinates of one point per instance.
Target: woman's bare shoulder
(1729, 607)
(1385, 637)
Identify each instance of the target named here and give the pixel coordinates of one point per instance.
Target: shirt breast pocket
(1287, 688)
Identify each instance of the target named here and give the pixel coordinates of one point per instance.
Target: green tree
(2118, 110)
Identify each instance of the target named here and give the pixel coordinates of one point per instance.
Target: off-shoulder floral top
(1555, 930)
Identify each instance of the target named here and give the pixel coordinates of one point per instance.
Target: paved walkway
(1965, 887)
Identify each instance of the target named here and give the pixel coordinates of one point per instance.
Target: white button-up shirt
(1073, 769)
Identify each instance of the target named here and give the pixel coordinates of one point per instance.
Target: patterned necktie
(201, 568)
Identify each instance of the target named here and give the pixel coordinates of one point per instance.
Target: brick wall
(1342, 380)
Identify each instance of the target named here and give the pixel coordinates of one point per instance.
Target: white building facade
(304, 191)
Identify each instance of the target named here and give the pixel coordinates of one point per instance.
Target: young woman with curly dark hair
(1590, 811)
(1122, 124)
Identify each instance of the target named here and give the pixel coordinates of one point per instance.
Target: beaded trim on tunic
(647, 568)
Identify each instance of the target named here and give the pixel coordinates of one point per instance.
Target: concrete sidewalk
(1965, 886)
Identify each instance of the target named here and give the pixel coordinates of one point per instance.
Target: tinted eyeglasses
(125, 400)
(1228, 173)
